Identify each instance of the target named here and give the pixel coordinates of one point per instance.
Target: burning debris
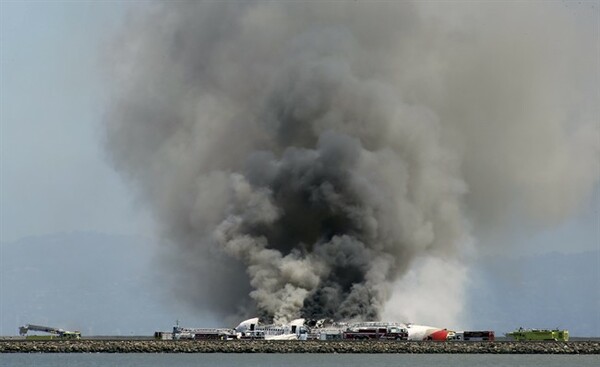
(324, 329)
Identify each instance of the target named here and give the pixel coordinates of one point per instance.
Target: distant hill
(543, 291)
(96, 283)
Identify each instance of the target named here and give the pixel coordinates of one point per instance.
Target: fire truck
(202, 333)
(539, 334)
(54, 333)
(486, 335)
(376, 330)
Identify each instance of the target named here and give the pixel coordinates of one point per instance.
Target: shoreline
(280, 346)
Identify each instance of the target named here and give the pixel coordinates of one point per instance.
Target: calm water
(300, 360)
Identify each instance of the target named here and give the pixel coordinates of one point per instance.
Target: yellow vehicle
(539, 334)
(55, 333)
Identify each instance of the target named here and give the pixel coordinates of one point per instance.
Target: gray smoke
(301, 156)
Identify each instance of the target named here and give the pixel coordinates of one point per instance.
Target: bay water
(300, 360)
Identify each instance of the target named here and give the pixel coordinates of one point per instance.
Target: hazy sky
(54, 173)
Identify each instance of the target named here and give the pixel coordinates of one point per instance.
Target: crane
(55, 332)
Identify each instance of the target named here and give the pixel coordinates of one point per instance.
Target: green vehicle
(539, 335)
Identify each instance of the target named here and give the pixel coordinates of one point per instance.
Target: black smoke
(300, 156)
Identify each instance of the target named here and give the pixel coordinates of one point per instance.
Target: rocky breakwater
(162, 346)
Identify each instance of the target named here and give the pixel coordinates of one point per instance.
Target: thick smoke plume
(302, 156)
